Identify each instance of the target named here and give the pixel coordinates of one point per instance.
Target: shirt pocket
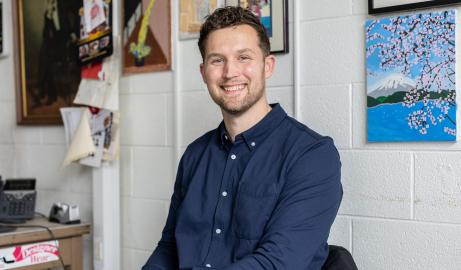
(252, 210)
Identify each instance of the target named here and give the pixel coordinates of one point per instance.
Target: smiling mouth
(233, 88)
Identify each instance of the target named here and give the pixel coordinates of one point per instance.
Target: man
(262, 190)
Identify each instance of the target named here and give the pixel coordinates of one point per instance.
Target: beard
(241, 106)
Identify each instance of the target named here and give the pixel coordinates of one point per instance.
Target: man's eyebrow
(246, 50)
(213, 55)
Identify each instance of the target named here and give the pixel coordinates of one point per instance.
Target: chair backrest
(339, 258)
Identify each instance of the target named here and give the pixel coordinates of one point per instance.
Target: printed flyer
(29, 254)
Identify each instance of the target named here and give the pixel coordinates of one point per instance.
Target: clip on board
(95, 31)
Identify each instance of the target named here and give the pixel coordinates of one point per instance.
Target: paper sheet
(102, 93)
(93, 71)
(95, 159)
(111, 151)
(71, 118)
(100, 130)
(104, 131)
(82, 144)
(93, 11)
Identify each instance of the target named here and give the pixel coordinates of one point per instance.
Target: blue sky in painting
(374, 72)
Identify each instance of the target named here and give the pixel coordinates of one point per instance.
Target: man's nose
(231, 69)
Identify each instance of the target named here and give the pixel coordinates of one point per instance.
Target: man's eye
(216, 61)
(244, 58)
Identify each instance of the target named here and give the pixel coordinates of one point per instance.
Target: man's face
(235, 69)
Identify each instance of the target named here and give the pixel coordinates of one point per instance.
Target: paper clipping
(101, 92)
(81, 144)
(93, 139)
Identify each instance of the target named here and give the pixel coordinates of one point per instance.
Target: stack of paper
(93, 137)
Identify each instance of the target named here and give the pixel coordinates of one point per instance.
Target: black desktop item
(17, 200)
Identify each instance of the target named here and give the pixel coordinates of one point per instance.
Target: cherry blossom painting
(411, 93)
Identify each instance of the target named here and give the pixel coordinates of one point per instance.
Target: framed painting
(411, 77)
(274, 17)
(146, 35)
(383, 6)
(47, 68)
(193, 14)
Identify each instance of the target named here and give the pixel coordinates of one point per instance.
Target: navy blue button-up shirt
(266, 201)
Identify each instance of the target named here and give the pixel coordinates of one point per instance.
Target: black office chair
(339, 258)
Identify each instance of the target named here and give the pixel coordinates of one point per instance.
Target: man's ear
(269, 65)
(202, 71)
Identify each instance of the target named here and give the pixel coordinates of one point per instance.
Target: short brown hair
(233, 16)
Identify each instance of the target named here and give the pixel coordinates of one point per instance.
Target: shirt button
(224, 194)
(225, 137)
(218, 231)
(253, 144)
(208, 265)
(233, 156)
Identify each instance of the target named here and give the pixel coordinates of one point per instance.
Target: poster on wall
(47, 64)
(95, 31)
(411, 90)
(146, 36)
(193, 14)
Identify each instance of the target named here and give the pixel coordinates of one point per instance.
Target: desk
(69, 237)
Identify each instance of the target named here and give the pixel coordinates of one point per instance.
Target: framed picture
(47, 68)
(383, 6)
(146, 36)
(274, 17)
(411, 81)
(192, 15)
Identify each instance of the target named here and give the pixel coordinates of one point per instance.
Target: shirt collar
(223, 138)
(257, 133)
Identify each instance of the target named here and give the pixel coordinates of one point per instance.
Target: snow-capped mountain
(393, 83)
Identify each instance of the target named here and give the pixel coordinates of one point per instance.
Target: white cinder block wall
(38, 151)
(402, 201)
